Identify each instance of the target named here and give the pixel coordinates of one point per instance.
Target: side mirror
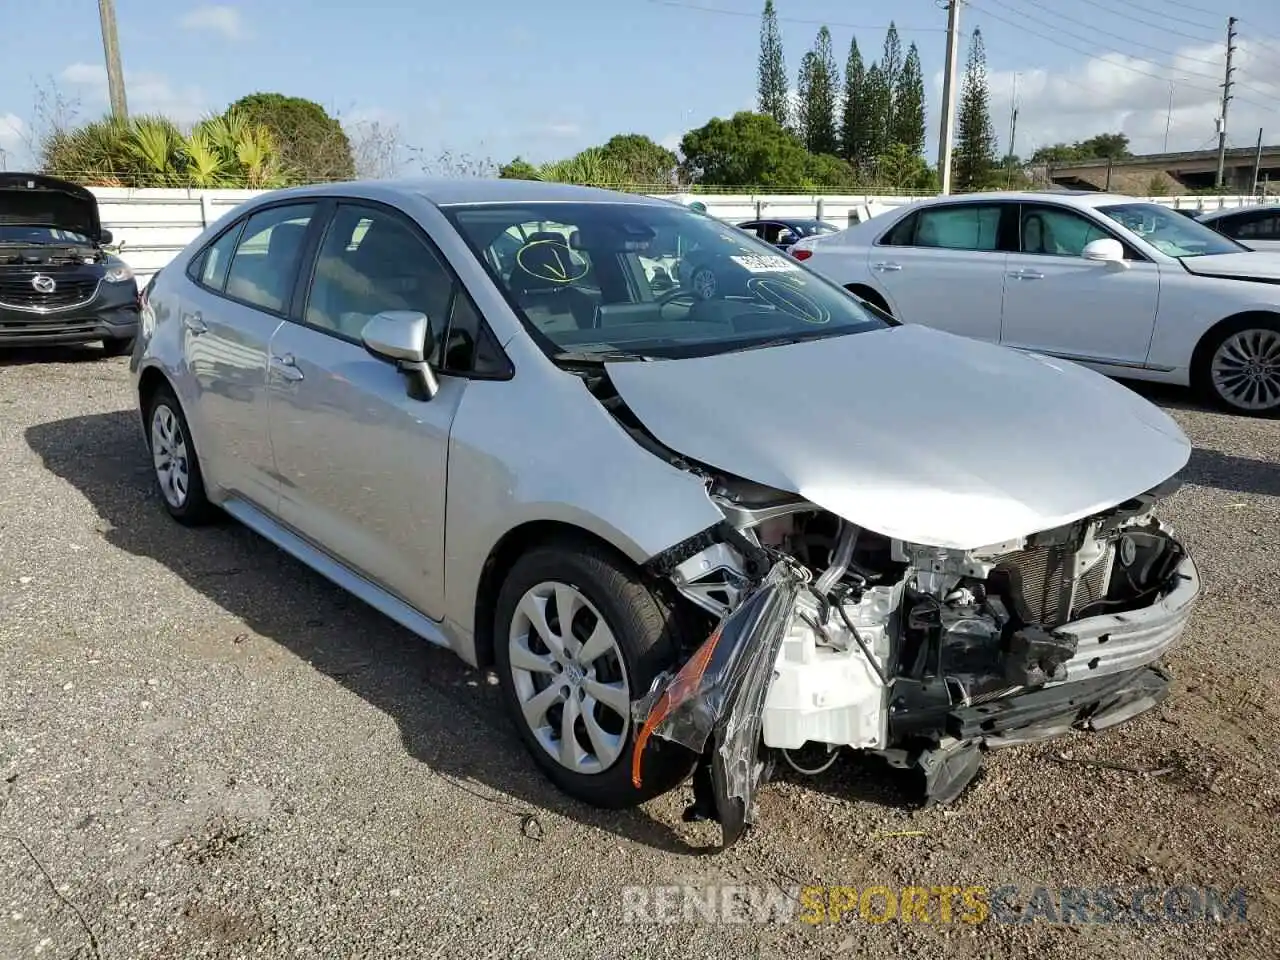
(106, 237)
(404, 338)
(1106, 250)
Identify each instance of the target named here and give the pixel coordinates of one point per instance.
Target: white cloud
(145, 92)
(563, 129)
(217, 18)
(13, 145)
(1114, 93)
(672, 141)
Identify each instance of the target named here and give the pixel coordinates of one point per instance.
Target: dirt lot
(206, 750)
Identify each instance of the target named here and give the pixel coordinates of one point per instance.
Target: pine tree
(855, 134)
(772, 83)
(877, 107)
(907, 127)
(891, 67)
(818, 90)
(975, 158)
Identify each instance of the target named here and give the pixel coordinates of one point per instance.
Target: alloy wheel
(569, 677)
(169, 454)
(1246, 369)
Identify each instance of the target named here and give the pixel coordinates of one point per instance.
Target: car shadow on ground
(450, 716)
(25, 356)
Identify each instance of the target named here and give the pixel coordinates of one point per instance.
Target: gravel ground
(207, 751)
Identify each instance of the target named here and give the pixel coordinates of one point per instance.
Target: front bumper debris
(714, 704)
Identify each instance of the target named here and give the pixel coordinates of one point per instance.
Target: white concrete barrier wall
(152, 226)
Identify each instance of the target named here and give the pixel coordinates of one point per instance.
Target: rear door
(943, 266)
(1057, 302)
(240, 292)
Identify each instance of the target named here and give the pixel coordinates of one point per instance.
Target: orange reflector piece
(682, 686)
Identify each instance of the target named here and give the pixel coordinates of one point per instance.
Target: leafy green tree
(1114, 146)
(824, 170)
(747, 150)
(771, 86)
(641, 161)
(891, 67)
(975, 155)
(518, 169)
(876, 100)
(901, 168)
(818, 94)
(907, 126)
(855, 132)
(313, 146)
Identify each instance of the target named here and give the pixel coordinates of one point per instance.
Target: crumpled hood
(913, 433)
(34, 200)
(1251, 265)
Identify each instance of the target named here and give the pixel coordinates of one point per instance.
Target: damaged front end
(830, 636)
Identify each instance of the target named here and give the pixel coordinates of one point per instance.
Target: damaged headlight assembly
(829, 636)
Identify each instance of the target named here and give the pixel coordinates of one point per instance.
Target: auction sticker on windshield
(765, 263)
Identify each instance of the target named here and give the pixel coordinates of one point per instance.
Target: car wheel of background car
(1238, 366)
(703, 283)
(117, 348)
(578, 636)
(176, 466)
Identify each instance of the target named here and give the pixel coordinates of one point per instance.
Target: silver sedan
(696, 505)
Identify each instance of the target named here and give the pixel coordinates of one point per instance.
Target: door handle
(887, 267)
(1026, 275)
(195, 323)
(286, 367)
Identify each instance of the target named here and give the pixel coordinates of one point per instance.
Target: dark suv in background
(58, 285)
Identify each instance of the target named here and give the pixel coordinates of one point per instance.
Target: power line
(1167, 16)
(1192, 7)
(1110, 8)
(1094, 53)
(1136, 43)
(680, 4)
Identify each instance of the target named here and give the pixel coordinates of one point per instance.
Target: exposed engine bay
(59, 254)
(921, 655)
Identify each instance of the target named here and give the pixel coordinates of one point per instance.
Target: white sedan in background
(1127, 287)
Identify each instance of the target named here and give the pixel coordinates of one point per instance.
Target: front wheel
(579, 636)
(1239, 368)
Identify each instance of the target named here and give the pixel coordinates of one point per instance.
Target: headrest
(285, 240)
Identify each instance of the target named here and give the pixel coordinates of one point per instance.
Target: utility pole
(1257, 164)
(1013, 129)
(111, 47)
(1168, 118)
(1226, 99)
(949, 95)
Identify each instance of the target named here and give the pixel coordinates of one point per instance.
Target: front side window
(1053, 231)
(658, 279)
(265, 264)
(371, 261)
(1264, 226)
(1168, 232)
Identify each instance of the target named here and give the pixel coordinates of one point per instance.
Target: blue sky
(493, 78)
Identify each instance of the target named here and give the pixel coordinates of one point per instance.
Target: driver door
(1057, 302)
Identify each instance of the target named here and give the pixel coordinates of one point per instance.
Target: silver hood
(913, 433)
(1245, 265)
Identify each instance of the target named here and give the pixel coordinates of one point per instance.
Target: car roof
(1234, 211)
(1070, 198)
(466, 190)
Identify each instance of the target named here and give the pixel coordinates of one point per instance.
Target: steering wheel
(675, 296)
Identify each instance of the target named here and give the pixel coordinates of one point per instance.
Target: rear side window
(265, 264)
(959, 228)
(1256, 227)
(213, 266)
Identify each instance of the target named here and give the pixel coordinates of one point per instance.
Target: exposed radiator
(1051, 595)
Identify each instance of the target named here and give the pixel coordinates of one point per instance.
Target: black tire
(117, 348)
(194, 509)
(647, 635)
(1202, 382)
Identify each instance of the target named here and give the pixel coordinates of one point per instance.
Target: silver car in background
(696, 505)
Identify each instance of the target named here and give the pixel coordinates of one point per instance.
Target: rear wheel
(579, 636)
(175, 464)
(1238, 366)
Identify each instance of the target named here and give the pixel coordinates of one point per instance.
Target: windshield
(1169, 232)
(649, 279)
(16, 233)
